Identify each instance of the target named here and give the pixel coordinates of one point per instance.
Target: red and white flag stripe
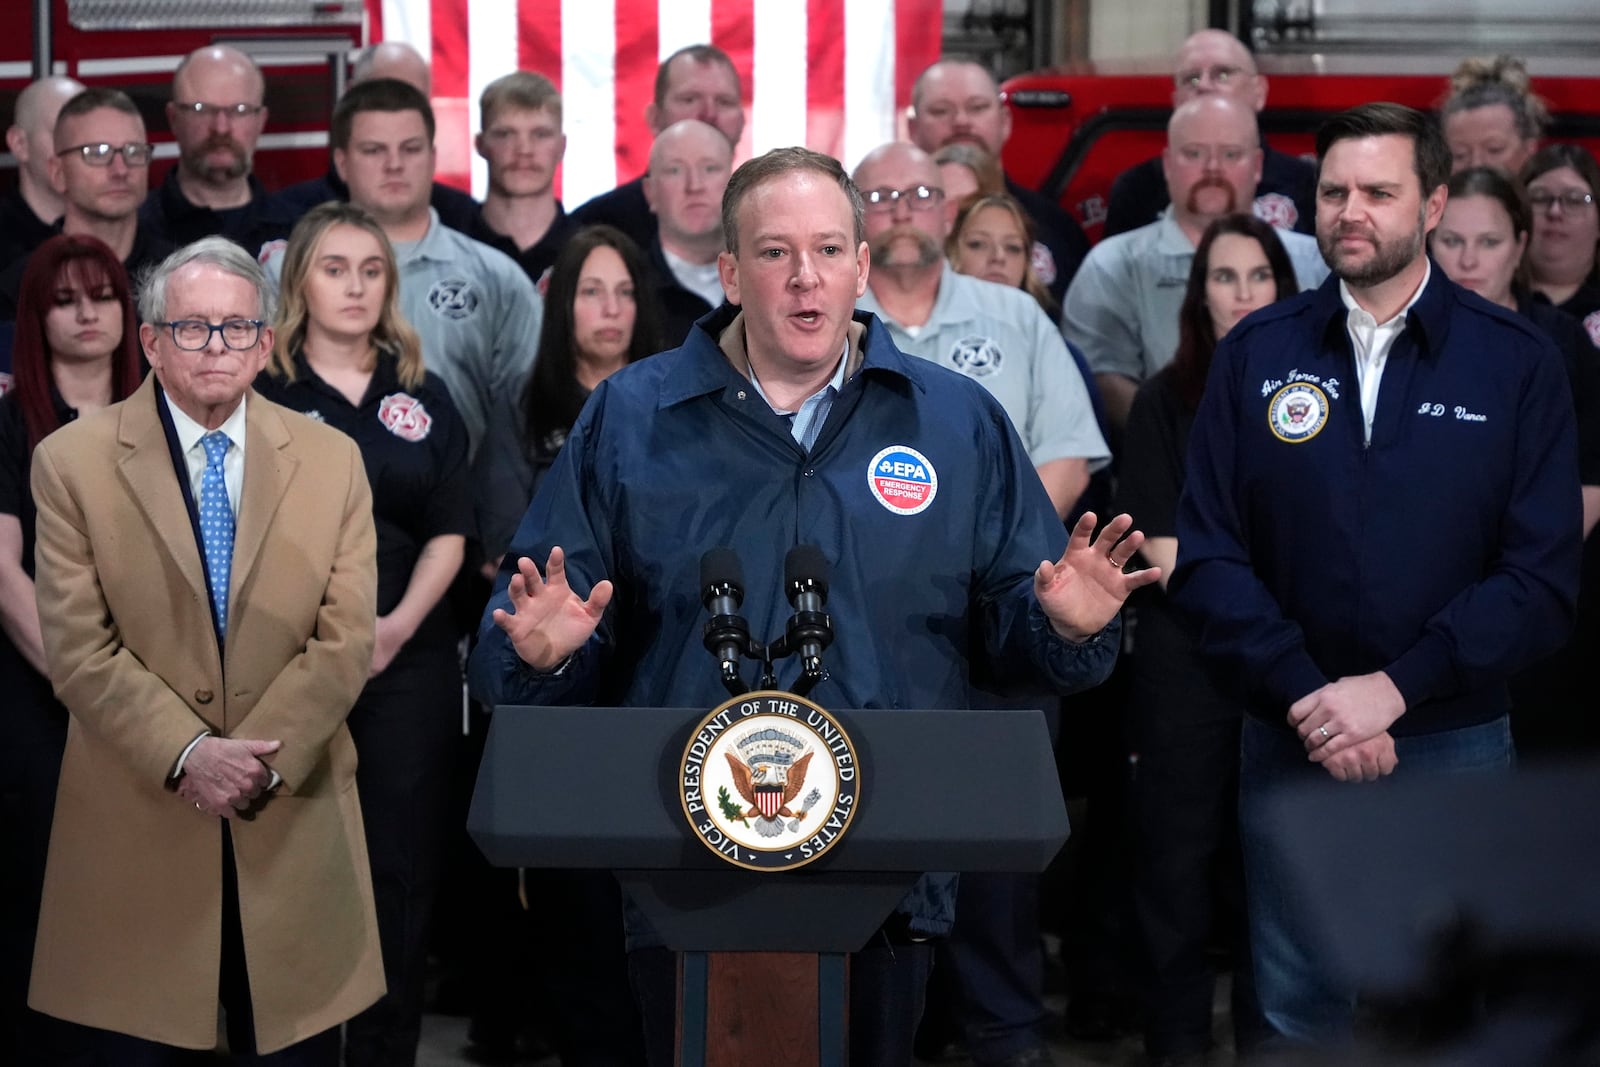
(828, 74)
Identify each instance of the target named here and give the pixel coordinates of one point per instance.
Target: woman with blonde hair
(1492, 117)
(993, 239)
(343, 354)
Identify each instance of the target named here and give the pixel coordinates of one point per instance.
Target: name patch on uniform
(405, 417)
(1297, 412)
(453, 298)
(976, 357)
(902, 480)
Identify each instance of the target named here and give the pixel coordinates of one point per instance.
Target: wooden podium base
(769, 1008)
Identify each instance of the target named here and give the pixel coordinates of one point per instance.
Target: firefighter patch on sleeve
(902, 480)
(1297, 412)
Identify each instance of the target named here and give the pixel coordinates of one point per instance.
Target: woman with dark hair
(598, 318)
(344, 354)
(1479, 243)
(1563, 184)
(1182, 733)
(76, 350)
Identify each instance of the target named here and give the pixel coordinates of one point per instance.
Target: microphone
(805, 580)
(727, 635)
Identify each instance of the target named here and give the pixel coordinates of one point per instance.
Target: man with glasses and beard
(992, 333)
(1361, 631)
(216, 115)
(1122, 307)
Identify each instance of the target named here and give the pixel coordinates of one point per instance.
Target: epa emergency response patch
(902, 480)
(1297, 412)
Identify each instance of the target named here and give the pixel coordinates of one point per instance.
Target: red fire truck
(1074, 129)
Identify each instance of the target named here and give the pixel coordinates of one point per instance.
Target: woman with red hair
(76, 350)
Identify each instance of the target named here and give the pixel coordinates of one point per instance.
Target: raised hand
(1085, 588)
(548, 621)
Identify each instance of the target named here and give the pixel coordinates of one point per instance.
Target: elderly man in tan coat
(206, 583)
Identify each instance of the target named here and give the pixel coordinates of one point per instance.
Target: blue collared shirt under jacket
(678, 453)
(1445, 552)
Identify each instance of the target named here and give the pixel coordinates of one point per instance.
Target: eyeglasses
(1220, 75)
(918, 198)
(134, 153)
(210, 111)
(192, 335)
(1569, 199)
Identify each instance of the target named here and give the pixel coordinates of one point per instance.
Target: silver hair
(214, 251)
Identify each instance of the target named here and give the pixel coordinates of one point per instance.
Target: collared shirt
(478, 316)
(702, 279)
(999, 337)
(194, 453)
(1371, 341)
(806, 422)
(1122, 308)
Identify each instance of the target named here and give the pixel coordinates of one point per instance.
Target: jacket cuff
(1292, 676)
(1423, 672)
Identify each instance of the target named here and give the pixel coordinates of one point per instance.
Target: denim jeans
(1302, 1003)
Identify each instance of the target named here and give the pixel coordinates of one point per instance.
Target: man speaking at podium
(789, 418)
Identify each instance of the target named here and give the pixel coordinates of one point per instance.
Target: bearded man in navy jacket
(1380, 523)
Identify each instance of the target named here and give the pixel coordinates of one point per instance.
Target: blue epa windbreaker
(918, 491)
(1445, 553)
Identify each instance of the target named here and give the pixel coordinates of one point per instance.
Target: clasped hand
(224, 776)
(1345, 725)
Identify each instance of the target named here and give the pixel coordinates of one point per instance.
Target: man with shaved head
(27, 214)
(1215, 61)
(957, 100)
(698, 81)
(689, 168)
(1123, 305)
(398, 61)
(216, 115)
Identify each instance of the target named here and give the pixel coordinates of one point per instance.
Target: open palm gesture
(548, 621)
(1086, 587)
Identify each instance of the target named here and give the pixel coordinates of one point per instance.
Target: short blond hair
(522, 90)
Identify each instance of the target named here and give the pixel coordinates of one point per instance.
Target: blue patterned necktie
(216, 526)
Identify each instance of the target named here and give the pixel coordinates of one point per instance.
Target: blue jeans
(1302, 1003)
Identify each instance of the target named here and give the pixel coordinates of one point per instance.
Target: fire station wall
(1121, 29)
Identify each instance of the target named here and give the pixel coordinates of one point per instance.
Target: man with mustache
(690, 164)
(1215, 61)
(993, 333)
(956, 101)
(1359, 630)
(216, 115)
(522, 144)
(998, 336)
(1122, 307)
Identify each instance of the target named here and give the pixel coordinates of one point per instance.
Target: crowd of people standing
(1214, 359)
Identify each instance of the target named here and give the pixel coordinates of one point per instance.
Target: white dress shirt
(1372, 341)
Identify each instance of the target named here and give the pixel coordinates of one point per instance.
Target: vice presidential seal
(1297, 412)
(770, 781)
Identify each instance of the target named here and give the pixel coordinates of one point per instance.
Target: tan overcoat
(130, 930)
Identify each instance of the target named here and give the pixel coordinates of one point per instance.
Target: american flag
(834, 75)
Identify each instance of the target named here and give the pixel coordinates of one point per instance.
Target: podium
(598, 788)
